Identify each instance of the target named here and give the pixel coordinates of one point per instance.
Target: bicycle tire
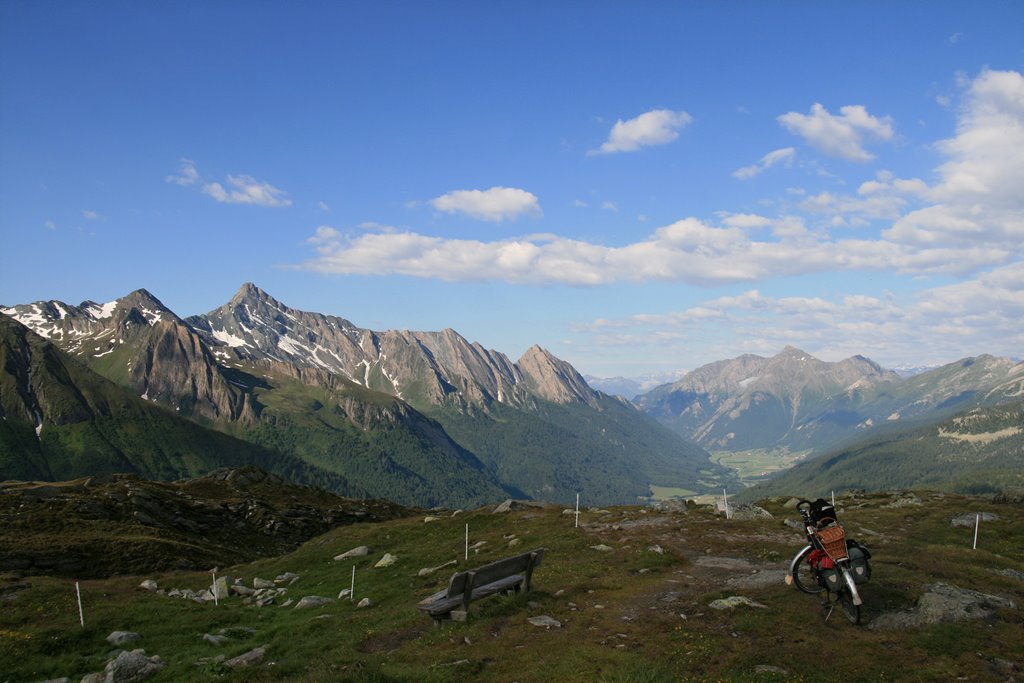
(850, 610)
(804, 577)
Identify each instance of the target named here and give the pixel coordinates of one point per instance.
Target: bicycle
(829, 562)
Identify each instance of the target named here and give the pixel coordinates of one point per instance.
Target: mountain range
(795, 403)
(423, 418)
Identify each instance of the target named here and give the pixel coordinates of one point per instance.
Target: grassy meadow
(631, 588)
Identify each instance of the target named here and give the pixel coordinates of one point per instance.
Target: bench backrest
(510, 566)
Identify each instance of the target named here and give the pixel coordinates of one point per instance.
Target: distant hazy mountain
(380, 408)
(631, 387)
(796, 402)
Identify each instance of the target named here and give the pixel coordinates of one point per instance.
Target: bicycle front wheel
(851, 610)
(804, 576)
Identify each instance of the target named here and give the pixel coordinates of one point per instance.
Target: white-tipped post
(726, 496)
(977, 523)
(215, 591)
(467, 541)
(352, 588)
(577, 511)
(81, 615)
(833, 499)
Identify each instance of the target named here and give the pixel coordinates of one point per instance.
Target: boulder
(312, 601)
(149, 585)
(735, 601)
(386, 561)
(262, 583)
(215, 640)
(365, 602)
(361, 551)
(119, 638)
(970, 519)
(129, 667)
(545, 621)
(250, 658)
(943, 603)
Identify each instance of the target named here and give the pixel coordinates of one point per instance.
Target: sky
(638, 187)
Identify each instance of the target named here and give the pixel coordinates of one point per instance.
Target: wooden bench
(512, 573)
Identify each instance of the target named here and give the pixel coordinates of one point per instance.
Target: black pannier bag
(859, 565)
(822, 513)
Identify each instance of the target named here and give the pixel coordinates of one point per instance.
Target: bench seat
(513, 573)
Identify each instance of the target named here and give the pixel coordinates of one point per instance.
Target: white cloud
(247, 190)
(933, 326)
(187, 174)
(90, 215)
(496, 204)
(608, 205)
(50, 225)
(783, 156)
(840, 136)
(656, 127)
(323, 206)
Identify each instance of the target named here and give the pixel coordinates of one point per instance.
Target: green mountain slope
(60, 420)
(609, 452)
(978, 451)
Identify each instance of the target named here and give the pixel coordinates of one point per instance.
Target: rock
(129, 667)
(503, 507)
(767, 669)
(735, 601)
(345, 592)
(149, 585)
(365, 602)
(910, 500)
(427, 571)
(215, 640)
(265, 601)
(747, 512)
(239, 589)
(515, 542)
(545, 621)
(968, 520)
(791, 503)
(119, 638)
(430, 518)
(287, 577)
(943, 603)
(237, 632)
(258, 583)
(386, 561)
(793, 523)
(312, 601)
(656, 549)
(287, 603)
(601, 548)
(361, 551)
(763, 579)
(1011, 574)
(222, 587)
(205, 596)
(250, 658)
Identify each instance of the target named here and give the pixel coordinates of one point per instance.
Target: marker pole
(81, 616)
(977, 523)
(577, 511)
(352, 590)
(467, 540)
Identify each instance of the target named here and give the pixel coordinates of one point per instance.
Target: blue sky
(637, 187)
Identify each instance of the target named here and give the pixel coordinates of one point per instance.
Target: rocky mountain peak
(553, 379)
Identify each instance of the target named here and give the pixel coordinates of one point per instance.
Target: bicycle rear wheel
(804, 576)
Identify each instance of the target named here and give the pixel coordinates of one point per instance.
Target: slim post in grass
(215, 591)
(467, 541)
(977, 523)
(81, 615)
(726, 496)
(577, 510)
(352, 588)
(833, 499)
